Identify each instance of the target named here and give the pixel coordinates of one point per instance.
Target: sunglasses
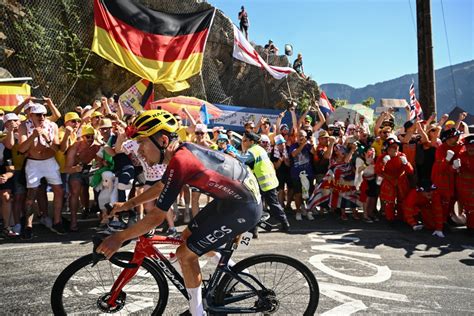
(89, 136)
(264, 142)
(199, 133)
(40, 114)
(105, 129)
(222, 142)
(75, 121)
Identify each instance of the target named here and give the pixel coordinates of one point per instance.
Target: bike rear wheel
(83, 290)
(293, 289)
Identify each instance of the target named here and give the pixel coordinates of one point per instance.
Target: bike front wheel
(291, 287)
(83, 289)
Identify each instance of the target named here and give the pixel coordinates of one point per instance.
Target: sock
(217, 256)
(195, 301)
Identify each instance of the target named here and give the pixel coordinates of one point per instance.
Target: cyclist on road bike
(236, 207)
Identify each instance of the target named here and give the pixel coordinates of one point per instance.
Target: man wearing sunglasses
(78, 164)
(39, 141)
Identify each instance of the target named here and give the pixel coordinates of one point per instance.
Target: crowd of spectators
(415, 173)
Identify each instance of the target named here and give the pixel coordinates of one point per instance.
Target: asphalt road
(364, 268)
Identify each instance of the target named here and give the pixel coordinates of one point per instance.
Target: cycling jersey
(216, 174)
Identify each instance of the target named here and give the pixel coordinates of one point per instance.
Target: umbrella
(193, 105)
(353, 111)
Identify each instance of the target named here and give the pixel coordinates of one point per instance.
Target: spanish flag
(12, 94)
(160, 47)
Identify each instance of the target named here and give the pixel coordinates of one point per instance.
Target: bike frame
(144, 249)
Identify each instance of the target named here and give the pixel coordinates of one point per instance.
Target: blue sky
(357, 42)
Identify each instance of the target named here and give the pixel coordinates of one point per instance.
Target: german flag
(12, 94)
(160, 47)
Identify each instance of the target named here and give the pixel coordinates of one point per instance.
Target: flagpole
(289, 90)
(203, 86)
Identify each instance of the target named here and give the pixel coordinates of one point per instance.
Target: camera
(336, 132)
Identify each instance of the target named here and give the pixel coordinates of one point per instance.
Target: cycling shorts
(219, 222)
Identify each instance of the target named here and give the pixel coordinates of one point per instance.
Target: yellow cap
(71, 116)
(22, 117)
(96, 113)
(2, 112)
(87, 130)
(450, 122)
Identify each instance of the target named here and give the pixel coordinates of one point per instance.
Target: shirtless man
(39, 141)
(78, 159)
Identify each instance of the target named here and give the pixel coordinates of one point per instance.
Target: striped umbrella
(193, 105)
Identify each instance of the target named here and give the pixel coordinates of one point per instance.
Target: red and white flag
(325, 103)
(415, 106)
(245, 52)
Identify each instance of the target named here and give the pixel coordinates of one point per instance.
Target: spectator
(465, 182)
(78, 165)
(322, 155)
(12, 123)
(264, 125)
(301, 157)
(270, 48)
(298, 66)
(393, 167)
(39, 141)
(6, 185)
(257, 159)
(444, 177)
(249, 126)
(223, 145)
(281, 161)
(244, 22)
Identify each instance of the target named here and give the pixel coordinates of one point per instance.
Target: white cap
(264, 138)
(279, 139)
(87, 107)
(10, 117)
(201, 128)
(28, 105)
(37, 108)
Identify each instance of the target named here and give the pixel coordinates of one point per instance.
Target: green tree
(368, 102)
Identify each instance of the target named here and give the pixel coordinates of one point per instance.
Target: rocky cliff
(51, 40)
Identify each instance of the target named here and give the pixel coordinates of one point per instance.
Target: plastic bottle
(304, 184)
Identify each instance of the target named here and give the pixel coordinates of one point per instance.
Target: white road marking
(383, 272)
(364, 292)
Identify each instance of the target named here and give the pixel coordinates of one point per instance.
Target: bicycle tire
(88, 303)
(258, 266)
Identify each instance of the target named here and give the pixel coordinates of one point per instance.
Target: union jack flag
(415, 106)
(333, 191)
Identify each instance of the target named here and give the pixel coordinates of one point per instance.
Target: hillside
(50, 43)
(398, 88)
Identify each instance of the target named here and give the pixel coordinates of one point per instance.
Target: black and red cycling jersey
(214, 173)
